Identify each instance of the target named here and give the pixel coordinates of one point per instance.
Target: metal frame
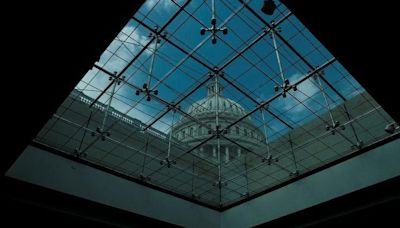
(214, 71)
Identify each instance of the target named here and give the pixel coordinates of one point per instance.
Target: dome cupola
(214, 100)
(207, 111)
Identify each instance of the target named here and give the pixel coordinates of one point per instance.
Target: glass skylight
(214, 123)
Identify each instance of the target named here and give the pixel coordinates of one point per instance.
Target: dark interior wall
(48, 47)
(375, 206)
(24, 203)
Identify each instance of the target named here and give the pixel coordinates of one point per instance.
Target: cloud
(117, 55)
(124, 47)
(291, 104)
(142, 111)
(162, 5)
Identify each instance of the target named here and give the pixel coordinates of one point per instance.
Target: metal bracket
(213, 29)
(333, 128)
(168, 162)
(285, 87)
(116, 80)
(215, 72)
(245, 194)
(146, 91)
(101, 133)
(269, 159)
(358, 146)
(77, 153)
(295, 173)
(218, 131)
(219, 183)
(144, 178)
(195, 196)
(157, 35)
(391, 128)
(172, 106)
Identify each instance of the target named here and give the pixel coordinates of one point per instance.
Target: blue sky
(252, 71)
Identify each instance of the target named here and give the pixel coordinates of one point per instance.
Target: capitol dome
(205, 111)
(209, 104)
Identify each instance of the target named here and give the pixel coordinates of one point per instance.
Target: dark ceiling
(46, 44)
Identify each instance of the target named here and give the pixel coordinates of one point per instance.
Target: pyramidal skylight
(215, 101)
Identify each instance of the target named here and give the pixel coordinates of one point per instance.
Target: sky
(255, 72)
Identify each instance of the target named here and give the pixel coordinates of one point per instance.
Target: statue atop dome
(214, 87)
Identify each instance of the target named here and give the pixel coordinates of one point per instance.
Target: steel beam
(266, 102)
(141, 51)
(173, 44)
(291, 47)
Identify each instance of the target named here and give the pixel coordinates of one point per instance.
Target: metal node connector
(147, 91)
(167, 162)
(213, 29)
(103, 134)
